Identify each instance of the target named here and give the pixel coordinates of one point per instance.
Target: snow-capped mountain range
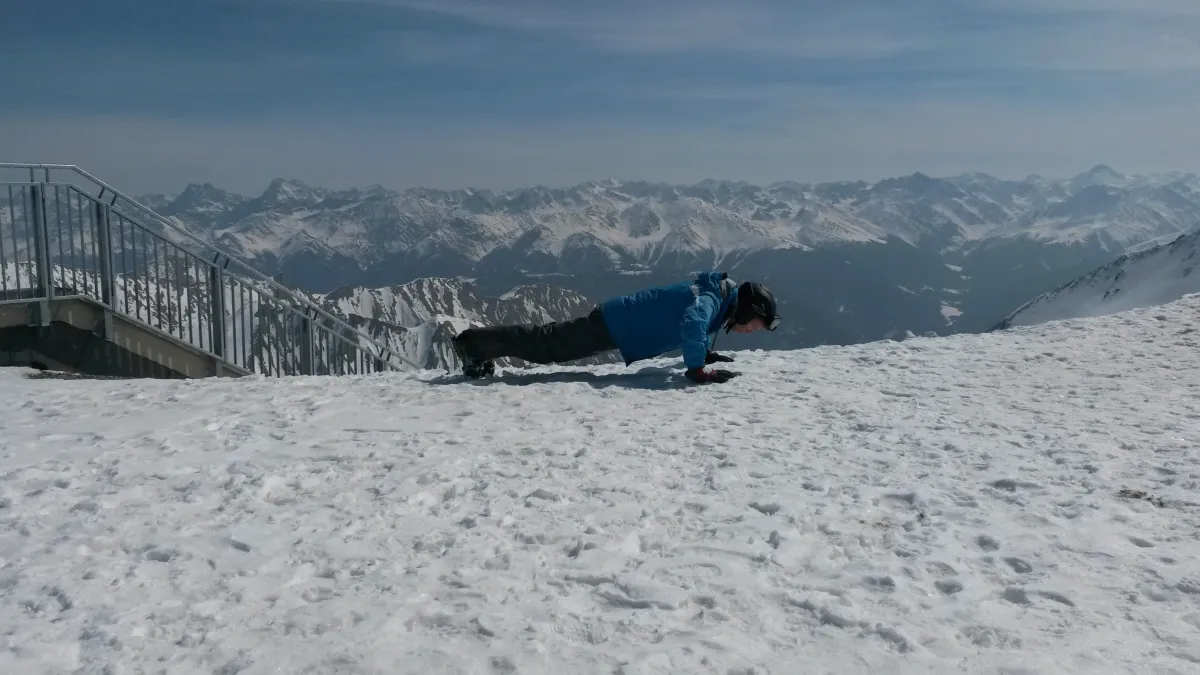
(1155, 276)
(636, 224)
(852, 261)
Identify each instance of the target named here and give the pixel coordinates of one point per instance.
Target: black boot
(472, 367)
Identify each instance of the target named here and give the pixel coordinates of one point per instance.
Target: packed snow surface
(1017, 502)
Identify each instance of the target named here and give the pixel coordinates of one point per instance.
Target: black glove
(713, 357)
(703, 376)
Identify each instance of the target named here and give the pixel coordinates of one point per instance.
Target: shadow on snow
(646, 378)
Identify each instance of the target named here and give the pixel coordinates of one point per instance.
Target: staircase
(93, 282)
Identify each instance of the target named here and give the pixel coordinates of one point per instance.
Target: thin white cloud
(670, 26)
(1122, 40)
(1139, 7)
(1037, 35)
(426, 47)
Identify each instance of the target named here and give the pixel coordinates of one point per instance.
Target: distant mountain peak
(203, 203)
(279, 182)
(1101, 174)
(287, 191)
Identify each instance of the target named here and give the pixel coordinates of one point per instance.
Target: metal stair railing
(64, 232)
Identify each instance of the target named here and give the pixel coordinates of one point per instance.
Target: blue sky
(154, 94)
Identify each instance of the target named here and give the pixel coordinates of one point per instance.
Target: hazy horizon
(254, 190)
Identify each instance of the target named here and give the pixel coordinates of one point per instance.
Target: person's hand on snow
(713, 357)
(703, 376)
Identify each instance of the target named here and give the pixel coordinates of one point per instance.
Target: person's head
(753, 310)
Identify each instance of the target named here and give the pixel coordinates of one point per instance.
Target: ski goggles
(769, 320)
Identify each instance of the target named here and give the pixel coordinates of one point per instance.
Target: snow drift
(1010, 502)
(1154, 276)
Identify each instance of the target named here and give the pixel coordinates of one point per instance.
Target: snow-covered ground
(938, 505)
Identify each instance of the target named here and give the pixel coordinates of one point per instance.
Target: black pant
(556, 342)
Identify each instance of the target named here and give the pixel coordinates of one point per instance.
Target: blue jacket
(684, 316)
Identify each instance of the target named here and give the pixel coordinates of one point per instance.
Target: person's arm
(693, 333)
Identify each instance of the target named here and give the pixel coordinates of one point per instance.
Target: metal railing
(64, 232)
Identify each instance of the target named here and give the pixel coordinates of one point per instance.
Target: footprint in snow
(948, 586)
(938, 568)
(544, 494)
(1012, 485)
(1056, 597)
(987, 543)
(1019, 566)
(161, 555)
(766, 508)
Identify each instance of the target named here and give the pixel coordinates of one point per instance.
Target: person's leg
(556, 342)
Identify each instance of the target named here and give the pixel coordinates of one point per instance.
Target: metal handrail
(384, 355)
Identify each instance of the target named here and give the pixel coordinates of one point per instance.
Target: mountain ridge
(638, 219)
(839, 250)
(1155, 276)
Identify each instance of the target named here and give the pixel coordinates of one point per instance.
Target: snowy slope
(1151, 277)
(966, 504)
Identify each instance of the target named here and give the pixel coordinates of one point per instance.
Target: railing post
(108, 282)
(216, 285)
(41, 243)
(307, 366)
